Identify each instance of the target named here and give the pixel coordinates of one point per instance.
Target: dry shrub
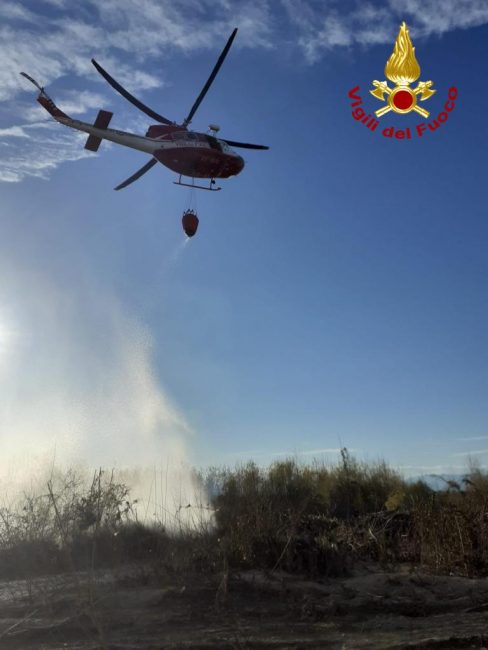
(319, 520)
(293, 516)
(308, 519)
(69, 525)
(452, 527)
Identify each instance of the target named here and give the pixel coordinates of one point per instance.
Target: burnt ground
(135, 610)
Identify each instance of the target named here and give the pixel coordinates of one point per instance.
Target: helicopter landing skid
(199, 187)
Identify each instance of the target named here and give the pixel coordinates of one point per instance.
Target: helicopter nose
(239, 164)
(233, 166)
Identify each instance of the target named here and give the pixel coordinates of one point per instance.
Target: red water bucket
(189, 223)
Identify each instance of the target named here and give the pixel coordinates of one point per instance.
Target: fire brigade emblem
(402, 69)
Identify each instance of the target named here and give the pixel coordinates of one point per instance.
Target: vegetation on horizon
(312, 519)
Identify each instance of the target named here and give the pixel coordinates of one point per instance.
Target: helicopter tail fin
(102, 122)
(45, 101)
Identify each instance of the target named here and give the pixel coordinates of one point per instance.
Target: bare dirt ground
(134, 610)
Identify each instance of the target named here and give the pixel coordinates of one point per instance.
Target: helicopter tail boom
(46, 102)
(97, 131)
(124, 138)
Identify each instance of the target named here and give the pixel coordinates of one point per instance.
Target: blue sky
(335, 293)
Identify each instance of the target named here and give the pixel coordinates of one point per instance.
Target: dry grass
(320, 519)
(313, 519)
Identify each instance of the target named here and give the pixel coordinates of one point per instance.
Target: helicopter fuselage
(189, 153)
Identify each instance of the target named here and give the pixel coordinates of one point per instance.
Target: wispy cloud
(431, 469)
(37, 154)
(14, 11)
(291, 454)
(77, 103)
(13, 132)
(466, 454)
(51, 46)
(472, 439)
(322, 26)
(414, 471)
(72, 102)
(440, 16)
(55, 3)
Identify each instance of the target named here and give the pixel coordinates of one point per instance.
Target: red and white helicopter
(188, 153)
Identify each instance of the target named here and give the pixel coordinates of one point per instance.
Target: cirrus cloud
(56, 40)
(324, 26)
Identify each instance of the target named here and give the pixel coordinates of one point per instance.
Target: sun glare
(7, 336)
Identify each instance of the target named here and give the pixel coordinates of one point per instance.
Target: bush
(62, 528)
(289, 515)
(307, 519)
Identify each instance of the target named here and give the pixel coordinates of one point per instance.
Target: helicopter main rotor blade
(120, 89)
(138, 174)
(244, 145)
(213, 74)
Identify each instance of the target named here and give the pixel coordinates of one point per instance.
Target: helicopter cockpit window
(214, 143)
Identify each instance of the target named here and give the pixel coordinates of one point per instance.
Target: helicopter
(188, 153)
